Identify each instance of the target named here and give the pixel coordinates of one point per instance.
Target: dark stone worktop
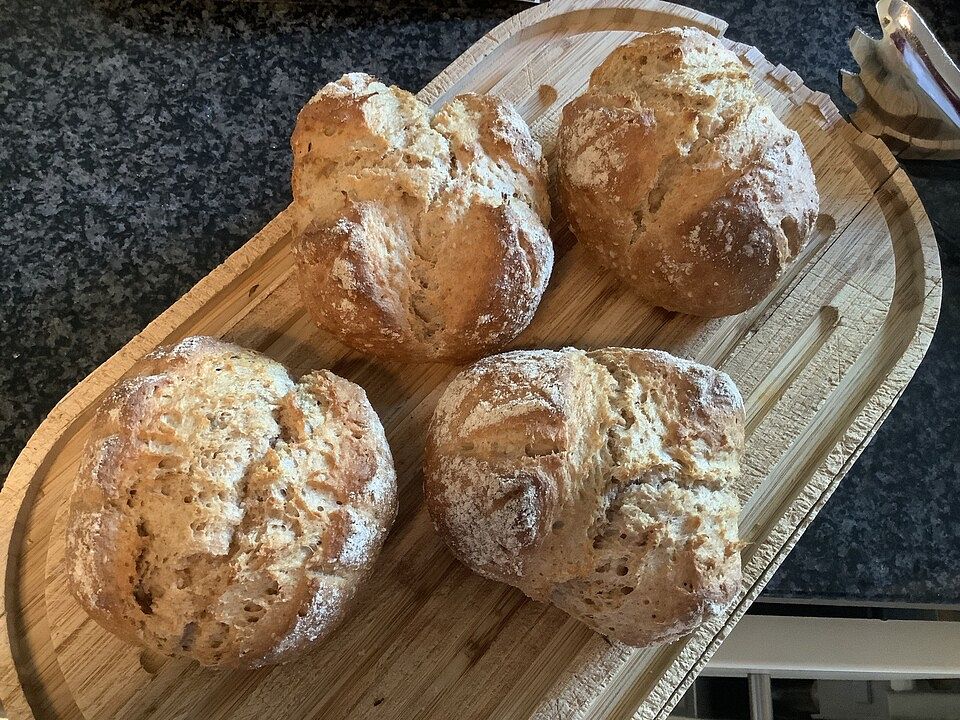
(141, 143)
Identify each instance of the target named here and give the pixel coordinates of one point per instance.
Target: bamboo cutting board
(820, 363)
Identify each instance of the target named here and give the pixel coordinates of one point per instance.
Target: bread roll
(679, 177)
(597, 481)
(419, 237)
(224, 512)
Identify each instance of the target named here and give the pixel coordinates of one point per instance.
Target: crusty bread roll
(679, 177)
(419, 237)
(597, 481)
(224, 512)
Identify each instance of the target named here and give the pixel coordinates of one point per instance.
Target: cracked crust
(597, 481)
(419, 237)
(224, 512)
(680, 179)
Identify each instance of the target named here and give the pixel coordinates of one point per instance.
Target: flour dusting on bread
(420, 236)
(598, 481)
(225, 512)
(681, 179)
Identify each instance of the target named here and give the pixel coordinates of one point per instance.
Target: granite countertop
(141, 143)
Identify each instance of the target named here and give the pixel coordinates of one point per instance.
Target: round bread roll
(419, 237)
(224, 512)
(597, 481)
(680, 179)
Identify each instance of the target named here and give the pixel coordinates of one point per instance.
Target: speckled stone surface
(141, 143)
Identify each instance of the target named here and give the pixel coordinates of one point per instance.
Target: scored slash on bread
(224, 512)
(679, 177)
(600, 482)
(419, 237)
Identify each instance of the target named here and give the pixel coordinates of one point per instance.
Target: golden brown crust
(392, 205)
(597, 481)
(224, 512)
(680, 179)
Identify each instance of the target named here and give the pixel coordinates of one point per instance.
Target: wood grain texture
(887, 106)
(820, 363)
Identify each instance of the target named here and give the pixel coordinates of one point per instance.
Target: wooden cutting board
(820, 363)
